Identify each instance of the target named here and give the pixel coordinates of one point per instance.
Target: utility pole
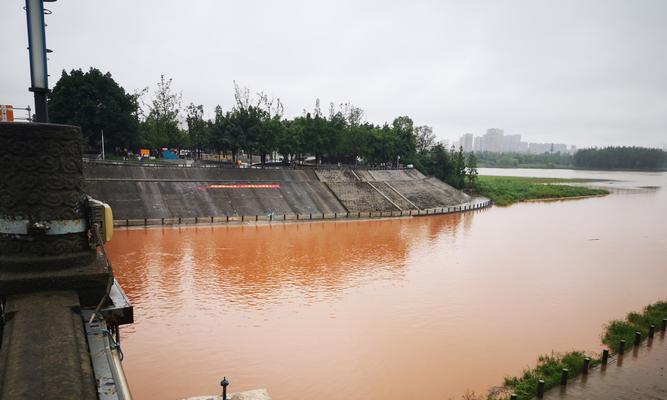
(102, 144)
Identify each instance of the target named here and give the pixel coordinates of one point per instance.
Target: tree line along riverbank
(506, 190)
(618, 158)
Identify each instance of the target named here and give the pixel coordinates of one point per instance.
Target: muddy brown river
(422, 308)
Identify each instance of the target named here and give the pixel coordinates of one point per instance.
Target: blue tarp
(168, 155)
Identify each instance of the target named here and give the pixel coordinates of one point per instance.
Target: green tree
(471, 169)
(160, 128)
(405, 141)
(219, 138)
(95, 102)
(198, 129)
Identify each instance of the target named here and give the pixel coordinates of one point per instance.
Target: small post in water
(605, 356)
(664, 325)
(587, 364)
(638, 338)
(224, 385)
(563, 376)
(540, 388)
(514, 396)
(621, 347)
(651, 331)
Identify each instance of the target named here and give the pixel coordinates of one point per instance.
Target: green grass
(634, 322)
(549, 367)
(506, 190)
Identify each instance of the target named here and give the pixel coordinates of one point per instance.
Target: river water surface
(424, 307)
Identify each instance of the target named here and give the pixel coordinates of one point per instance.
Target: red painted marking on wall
(241, 186)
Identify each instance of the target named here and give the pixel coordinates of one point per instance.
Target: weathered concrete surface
(335, 175)
(257, 394)
(641, 374)
(44, 354)
(430, 193)
(136, 200)
(360, 196)
(136, 192)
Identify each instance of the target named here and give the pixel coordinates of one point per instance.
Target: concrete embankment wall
(144, 193)
(136, 192)
(387, 190)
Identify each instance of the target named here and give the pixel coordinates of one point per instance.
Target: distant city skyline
(584, 73)
(495, 140)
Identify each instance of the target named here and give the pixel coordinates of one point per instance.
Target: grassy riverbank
(506, 190)
(549, 367)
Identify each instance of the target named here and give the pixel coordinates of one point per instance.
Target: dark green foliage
(523, 160)
(638, 158)
(549, 368)
(160, 127)
(635, 322)
(506, 190)
(94, 101)
(449, 166)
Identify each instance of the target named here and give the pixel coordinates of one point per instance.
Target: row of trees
(621, 158)
(514, 160)
(255, 125)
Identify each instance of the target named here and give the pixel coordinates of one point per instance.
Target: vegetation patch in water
(506, 190)
(550, 367)
(634, 322)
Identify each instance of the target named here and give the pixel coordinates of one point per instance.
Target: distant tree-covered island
(623, 158)
(607, 158)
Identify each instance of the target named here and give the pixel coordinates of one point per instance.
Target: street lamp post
(39, 82)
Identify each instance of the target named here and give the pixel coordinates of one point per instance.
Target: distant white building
(495, 141)
(466, 141)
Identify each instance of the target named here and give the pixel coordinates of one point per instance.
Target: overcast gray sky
(579, 72)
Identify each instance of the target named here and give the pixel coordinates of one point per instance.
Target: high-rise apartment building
(466, 142)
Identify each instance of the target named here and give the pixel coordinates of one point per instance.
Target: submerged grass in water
(549, 367)
(506, 190)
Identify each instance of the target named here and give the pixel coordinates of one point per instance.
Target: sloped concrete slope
(360, 196)
(388, 190)
(335, 175)
(430, 192)
(136, 192)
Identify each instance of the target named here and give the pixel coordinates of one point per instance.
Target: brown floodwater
(422, 307)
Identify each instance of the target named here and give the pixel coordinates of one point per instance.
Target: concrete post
(44, 224)
(540, 389)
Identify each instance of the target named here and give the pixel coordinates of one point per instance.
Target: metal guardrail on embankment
(228, 219)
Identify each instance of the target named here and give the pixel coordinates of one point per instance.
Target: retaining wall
(167, 193)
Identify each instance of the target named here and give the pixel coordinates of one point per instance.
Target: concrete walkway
(640, 374)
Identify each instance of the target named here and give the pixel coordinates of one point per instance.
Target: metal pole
(102, 144)
(224, 385)
(37, 51)
(41, 111)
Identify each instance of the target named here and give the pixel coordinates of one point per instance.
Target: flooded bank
(639, 374)
(419, 307)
